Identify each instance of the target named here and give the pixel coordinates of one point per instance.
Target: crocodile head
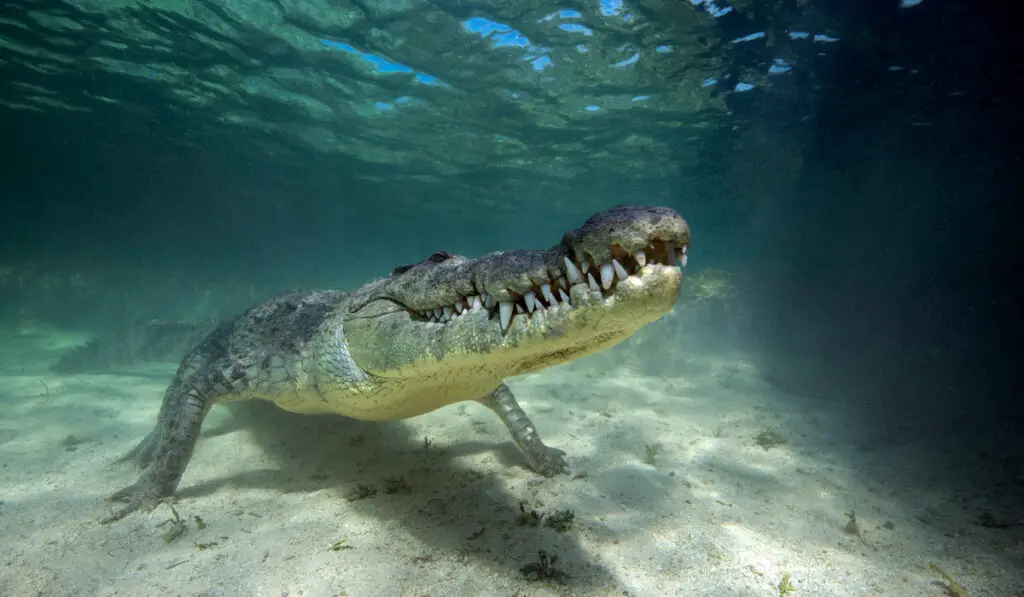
(456, 326)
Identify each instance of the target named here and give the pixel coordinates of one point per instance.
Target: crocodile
(444, 330)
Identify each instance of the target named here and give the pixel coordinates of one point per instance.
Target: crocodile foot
(548, 461)
(142, 495)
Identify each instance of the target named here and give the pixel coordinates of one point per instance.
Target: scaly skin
(444, 330)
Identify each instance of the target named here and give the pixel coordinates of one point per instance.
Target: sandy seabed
(703, 482)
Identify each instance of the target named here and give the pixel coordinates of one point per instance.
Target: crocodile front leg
(543, 459)
(165, 452)
(201, 380)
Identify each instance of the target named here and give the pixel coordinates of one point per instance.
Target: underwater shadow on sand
(450, 507)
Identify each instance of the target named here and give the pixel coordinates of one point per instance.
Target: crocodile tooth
(447, 312)
(570, 270)
(683, 260)
(438, 312)
(563, 296)
(607, 275)
(530, 298)
(505, 313)
(641, 257)
(519, 309)
(593, 283)
(549, 296)
(584, 265)
(475, 303)
(563, 283)
(458, 307)
(489, 301)
(619, 270)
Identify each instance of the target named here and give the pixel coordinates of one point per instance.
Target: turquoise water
(828, 406)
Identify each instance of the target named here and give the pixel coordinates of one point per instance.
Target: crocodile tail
(150, 341)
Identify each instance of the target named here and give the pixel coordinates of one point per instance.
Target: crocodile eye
(437, 257)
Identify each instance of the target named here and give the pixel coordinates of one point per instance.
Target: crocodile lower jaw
(593, 320)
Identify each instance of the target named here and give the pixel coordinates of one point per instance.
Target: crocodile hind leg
(165, 452)
(543, 459)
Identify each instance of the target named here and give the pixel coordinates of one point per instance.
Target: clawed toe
(132, 498)
(551, 462)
